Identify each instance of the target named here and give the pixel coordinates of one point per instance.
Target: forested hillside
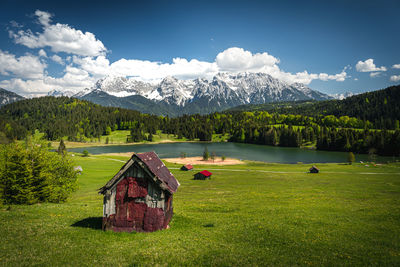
(62, 116)
(379, 107)
(80, 120)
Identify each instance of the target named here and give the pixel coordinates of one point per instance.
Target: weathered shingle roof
(154, 165)
(158, 168)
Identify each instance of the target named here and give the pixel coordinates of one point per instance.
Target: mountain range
(175, 97)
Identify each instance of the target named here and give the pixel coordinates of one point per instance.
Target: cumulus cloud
(74, 79)
(57, 59)
(60, 38)
(28, 88)
(238, 59)
(396, 66)
(42, 53)
(27, 66)
(368, 66)
(395, 78)
(43, 17)
(374, 74)
(98, 67)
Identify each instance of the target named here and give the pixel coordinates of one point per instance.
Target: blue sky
(333, 47)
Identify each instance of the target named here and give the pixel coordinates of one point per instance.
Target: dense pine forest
(367, 123)
(380, 107)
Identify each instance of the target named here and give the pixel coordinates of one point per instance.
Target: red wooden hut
(202, 175)
(187, 167)
(139, 197)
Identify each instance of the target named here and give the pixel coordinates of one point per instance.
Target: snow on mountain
(342, 96)
(223, 90)
(122, 87)
(57, 93)
(7, 97)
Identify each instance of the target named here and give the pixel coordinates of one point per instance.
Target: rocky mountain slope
(7, 97)
(175, 97)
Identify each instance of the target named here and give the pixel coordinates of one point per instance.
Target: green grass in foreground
(250, 214)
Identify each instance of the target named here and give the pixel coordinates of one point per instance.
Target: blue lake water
(233, 150)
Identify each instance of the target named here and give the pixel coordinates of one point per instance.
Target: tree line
(79, 120)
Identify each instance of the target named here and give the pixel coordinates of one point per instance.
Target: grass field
(252, 214)
(119, 138)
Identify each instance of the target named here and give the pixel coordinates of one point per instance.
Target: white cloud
(395, 78)
(42, 53)
(99, 66)
(44, 18)
(356, 79)
(237, 59)
(27, 88)
(147, 70)
(374, 74)
(57, 59)
(60, 38)
(27, 66)
(74, 79)
(368, 66)
(396, 66)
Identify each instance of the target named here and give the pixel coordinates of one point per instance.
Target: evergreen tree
(30, 173)
(150, 137)
(206, 154)
(62, 150)
(351, 158)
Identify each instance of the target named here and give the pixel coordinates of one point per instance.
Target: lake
(233, 150)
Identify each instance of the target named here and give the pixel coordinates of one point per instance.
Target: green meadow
(250, 214)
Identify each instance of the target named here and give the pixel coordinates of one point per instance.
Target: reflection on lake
(233, 150)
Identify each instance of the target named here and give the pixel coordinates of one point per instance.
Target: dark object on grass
(187, 167)
(314, 169)
(91, 222)
(202, 175)
(139, 197)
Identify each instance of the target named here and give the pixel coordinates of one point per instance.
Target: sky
(331, 46)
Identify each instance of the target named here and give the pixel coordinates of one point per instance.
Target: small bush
(351, 158)
(85, 153)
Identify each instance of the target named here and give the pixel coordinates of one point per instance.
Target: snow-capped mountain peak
(224, 89)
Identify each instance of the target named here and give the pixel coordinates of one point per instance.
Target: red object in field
(139, 197)
(187, 167)
(206, 173)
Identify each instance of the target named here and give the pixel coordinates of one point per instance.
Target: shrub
(351, 158)
(213, 156)
(30, 173)
(206, 154)
(85, 153)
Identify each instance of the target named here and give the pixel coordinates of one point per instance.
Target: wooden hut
(202, 175)
(187, 167)
(139, 197)
(314, 169)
